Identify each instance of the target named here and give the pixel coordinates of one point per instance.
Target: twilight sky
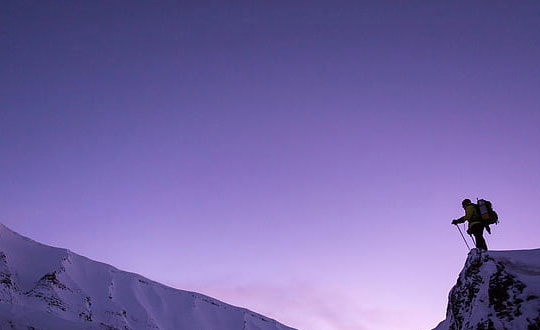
(303, 159)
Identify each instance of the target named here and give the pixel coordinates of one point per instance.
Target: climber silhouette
(476, 224)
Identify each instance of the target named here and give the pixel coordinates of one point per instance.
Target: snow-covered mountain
(47, 288)
(496, 290)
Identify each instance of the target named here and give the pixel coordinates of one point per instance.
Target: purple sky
(303, 160)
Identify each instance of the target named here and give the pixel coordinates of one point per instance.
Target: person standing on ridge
(476, 224)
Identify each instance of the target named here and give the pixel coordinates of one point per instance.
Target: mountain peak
(44, 287)
(496, 290)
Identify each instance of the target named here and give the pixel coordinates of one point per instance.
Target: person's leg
(479, 238)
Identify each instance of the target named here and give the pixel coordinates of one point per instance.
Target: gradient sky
(303, 159)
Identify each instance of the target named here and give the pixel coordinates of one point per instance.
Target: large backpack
(486, 212)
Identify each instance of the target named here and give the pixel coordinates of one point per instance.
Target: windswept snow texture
(46, 288)
(496, 290)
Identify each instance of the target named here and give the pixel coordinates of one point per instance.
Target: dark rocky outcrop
(496, 290)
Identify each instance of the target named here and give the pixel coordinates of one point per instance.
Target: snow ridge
(496, 290)
(46, 288)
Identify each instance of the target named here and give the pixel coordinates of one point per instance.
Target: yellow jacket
(471, 215)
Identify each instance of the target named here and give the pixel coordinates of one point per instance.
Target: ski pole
(464, 240)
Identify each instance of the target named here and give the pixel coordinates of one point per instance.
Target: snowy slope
(496, 290)
(43, 287)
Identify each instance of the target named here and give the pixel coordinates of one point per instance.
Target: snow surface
(46, 288)
(496, 290)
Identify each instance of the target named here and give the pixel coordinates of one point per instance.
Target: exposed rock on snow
(47, 288)
(496, 290)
